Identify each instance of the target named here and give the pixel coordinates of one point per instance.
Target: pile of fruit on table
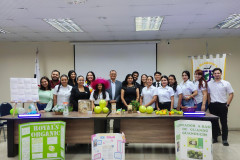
(149, 110)
(166, 112)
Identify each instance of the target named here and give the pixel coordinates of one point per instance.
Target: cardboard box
(84, 105)
(108, 146)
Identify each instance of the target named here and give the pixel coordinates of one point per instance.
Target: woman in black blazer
(79, 92)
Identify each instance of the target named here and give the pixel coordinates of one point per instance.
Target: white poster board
(24, 89)
(108, 146)
(193, 140)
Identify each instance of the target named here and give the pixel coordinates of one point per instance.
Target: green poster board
(193, 140)
(42, 140)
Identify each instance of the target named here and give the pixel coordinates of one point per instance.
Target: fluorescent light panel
(233, 21)
(3, 31)
(148, 23)
(64, 25)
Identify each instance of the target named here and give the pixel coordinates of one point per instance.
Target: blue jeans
(41, 106)
(199, 107)
(189, 103)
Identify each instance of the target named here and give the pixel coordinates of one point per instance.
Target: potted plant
(135, 104)
(58, 109)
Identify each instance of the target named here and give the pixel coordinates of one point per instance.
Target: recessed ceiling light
(233, 21)
(76, 1)
(64, 25)
(148, 23)
(3, 31)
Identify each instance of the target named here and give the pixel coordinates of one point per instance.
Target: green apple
(102, 103)
(105, 110)
(149, 109)
(97, 109)
(142, 109)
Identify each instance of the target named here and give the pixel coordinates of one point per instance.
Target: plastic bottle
(65, 110)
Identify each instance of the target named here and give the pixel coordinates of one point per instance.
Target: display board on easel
(24, 90)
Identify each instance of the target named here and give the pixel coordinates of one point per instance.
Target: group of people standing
(164, 93)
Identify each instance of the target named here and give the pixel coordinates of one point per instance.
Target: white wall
(17, 60)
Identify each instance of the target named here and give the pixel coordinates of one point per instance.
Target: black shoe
(214, 141)
(225, 143)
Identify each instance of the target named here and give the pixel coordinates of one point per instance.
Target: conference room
(168, 36)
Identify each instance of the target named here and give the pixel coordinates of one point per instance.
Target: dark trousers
(165, 105)
(220, 110)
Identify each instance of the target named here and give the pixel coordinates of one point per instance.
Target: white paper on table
(14, 98)
(28, 97)
(20, 86)
(14, 91)
(21, 98)
(13, 85)
(13, 80)
(28, 86)
(35, 98)
(27, 81)
(21, 92)
(37, 145)
(27, 91)
(52, 140)
(34, 91)
(20, 80)
(34, 80)
(34, 86)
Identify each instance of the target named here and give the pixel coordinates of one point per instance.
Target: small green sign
(42, 140)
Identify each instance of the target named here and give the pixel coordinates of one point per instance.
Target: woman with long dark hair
(165, 95)
(149, 94)
(72, 78)
(89, 78)
(79, 92)
(201, 85)
(45, 95)
(189, 90)
(129, 91)
(177, 91)
(99, 85)
(62, 92)
(143, 82)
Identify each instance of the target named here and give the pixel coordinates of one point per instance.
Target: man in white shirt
(157, 77)
(220, 95)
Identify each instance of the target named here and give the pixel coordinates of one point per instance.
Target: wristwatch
(227, 105)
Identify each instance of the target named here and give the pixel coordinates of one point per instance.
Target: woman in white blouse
(177, 92)
(62, 92)
(165, 95)
(149, 94)
(99, 93)
(201, 85)
(189, 90)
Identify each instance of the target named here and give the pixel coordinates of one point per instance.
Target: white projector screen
(124, 58)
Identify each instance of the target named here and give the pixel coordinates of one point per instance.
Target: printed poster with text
(193, 140)
(42, 140)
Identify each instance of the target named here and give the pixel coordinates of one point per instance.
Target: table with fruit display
(144, 126)
(148, 126)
